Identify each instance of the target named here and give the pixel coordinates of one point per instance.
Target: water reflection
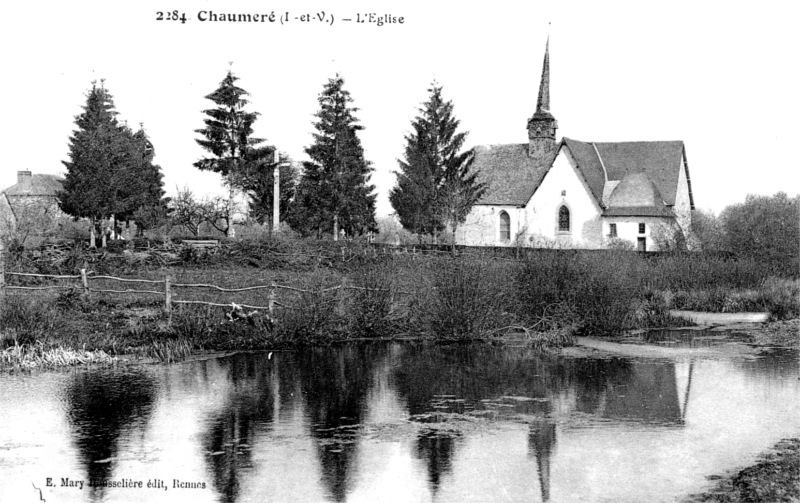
(334, 386)
(248, 409)
(100, 411)
(541, 445)
(413, 422)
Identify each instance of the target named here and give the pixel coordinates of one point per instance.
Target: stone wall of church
(482, 227)
(564, 186)
(628, 229)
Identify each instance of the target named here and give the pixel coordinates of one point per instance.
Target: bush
(781, 297)
(370, 305)
(24, 319)
(310, 313)
(466, 298)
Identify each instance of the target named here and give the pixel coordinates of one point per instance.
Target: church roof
(661, 161)
(638, 166)
(36, 185)
(638, 178)
(510, 174)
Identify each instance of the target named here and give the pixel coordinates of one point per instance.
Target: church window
(563, 219)
(505, 227)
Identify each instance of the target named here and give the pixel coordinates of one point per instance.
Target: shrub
(371, 304)
(466, 299)
(310, 313)
(781, 297)
(24, 319)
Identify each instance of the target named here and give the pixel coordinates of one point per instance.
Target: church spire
(542, 126)
(543, 104)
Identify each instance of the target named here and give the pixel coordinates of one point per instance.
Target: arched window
(563, 219)
(505, 226)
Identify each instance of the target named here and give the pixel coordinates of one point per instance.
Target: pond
(393, 422)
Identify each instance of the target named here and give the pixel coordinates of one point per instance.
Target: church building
(578, 194)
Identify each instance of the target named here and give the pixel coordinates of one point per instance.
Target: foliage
(706, 232)
(227, 136)
(766, 228)
(31, 216)
(334, 191)
(110, 171)
(187, 211)
(257, 182)
(228, 129)
(434, 185)
(668, 237)
(465, 300)
(371, 304)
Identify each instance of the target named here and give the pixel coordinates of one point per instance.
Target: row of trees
(110, 174)
(766, 228)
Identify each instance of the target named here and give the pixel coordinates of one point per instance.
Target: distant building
(31, 205)
(572, 193)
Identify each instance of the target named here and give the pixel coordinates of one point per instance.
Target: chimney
(24, 177)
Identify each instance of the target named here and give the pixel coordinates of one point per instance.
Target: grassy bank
(774, 477)
(335, 292)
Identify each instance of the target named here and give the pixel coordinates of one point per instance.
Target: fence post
(85, 281)
(272, 295)
(167, 295)
(2, 268)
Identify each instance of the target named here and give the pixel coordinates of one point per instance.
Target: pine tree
(334, 191)
(227, 133)
(435, 187)
(110, 172)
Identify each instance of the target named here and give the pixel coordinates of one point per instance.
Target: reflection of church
(655, 394)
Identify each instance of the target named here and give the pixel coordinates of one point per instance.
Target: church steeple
(543, 104)
(542, 126)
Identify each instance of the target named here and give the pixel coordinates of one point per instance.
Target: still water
(393, 422)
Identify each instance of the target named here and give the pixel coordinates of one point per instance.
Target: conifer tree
(227, 133)
(334, 191)
(110, 171)
(435, 187)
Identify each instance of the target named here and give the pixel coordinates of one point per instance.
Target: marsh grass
(37, 355)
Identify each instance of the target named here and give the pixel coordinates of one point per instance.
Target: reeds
(30, 356)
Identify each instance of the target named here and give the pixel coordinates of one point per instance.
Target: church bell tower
(542, 126)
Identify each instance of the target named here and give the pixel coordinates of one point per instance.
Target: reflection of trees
(100, 408)
(335, 383)
(437, 449)
(248, 410)
(541, 445)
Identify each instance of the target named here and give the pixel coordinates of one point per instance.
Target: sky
(720, 76)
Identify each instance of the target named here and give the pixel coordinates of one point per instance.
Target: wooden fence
(167, 288)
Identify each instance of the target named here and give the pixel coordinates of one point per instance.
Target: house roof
(510, 174)
(36, 185)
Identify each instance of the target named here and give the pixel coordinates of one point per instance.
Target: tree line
(111, 174)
